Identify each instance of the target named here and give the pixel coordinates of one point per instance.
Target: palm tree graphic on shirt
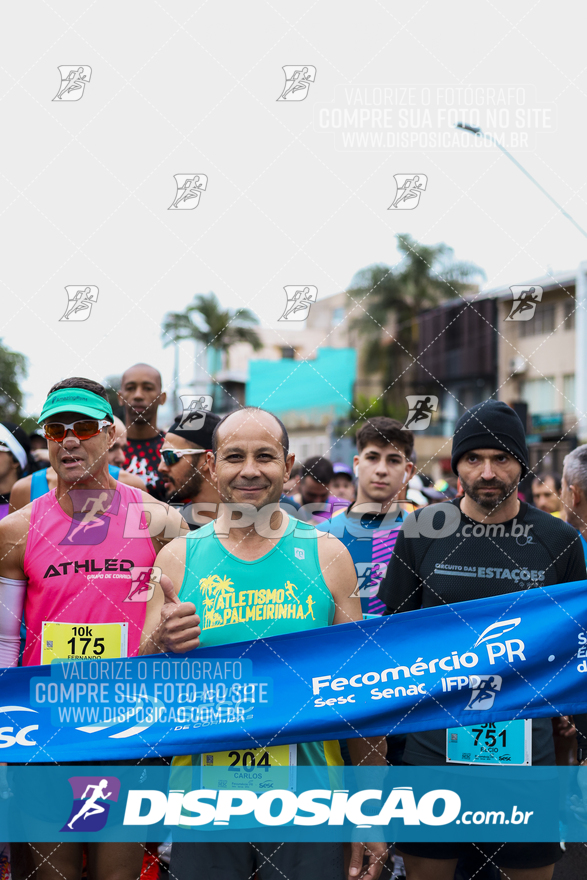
(217, 592)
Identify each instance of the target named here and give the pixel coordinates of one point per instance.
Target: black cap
(199, 433)
(490, 425)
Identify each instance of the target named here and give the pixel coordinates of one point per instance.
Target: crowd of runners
(65, 496)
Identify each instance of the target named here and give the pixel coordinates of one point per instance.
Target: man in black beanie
(495, 544)
(184, 471)
(492, 425)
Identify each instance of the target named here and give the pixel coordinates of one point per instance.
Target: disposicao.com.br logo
(313, 807)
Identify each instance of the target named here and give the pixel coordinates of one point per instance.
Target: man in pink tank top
(78, 561)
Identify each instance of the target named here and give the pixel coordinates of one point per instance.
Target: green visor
(76, 400)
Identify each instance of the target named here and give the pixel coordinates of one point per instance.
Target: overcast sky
(184, 88)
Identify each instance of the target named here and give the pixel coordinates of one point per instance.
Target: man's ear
(203, 465)
(111, 434)
(289, 463)
(577, 495)
(162, 398)
(211, 462)
(410, 468)
(120, 398)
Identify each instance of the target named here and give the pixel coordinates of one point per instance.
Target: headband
(8, 438)
(76, 400)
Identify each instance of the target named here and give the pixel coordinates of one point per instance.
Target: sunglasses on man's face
(172, 456)
(83, 430)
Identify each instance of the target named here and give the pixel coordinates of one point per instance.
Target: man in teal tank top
(238, 579)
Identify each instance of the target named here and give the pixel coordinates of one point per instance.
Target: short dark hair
(149, 367)
(80, 382)
(382, 431)
(320, 469)
(284, 437)
(556, 478)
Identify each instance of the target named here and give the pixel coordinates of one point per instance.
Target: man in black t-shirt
(141, 394)
(484, 544)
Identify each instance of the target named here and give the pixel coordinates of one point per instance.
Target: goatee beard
(489, 504)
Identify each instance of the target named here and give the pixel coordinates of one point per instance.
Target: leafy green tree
(13, 369)
(217, 328)
(379, 406)
(28, 424)
(112, 385)
(391, 298)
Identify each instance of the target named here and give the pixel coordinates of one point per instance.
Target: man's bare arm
(20, 494)
(13, 535)
(338, 571)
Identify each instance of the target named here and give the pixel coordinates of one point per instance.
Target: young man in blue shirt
(369, 526)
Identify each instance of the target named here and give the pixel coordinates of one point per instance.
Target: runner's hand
(564, 726)
(179, 630)
(377, 852)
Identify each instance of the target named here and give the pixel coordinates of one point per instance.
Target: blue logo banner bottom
(512, 657)
(121, 803)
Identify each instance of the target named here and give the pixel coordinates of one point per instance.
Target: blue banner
(517, 656)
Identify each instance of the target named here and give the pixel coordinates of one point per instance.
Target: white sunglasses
(172, 456)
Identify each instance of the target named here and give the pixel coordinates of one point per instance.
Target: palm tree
(207, 584)
(174, 330)
(425, 277)
(216, 328)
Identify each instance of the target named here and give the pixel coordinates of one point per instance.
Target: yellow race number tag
(249, 769)
(83, 641)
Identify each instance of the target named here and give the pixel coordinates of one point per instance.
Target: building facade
(538, 366)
